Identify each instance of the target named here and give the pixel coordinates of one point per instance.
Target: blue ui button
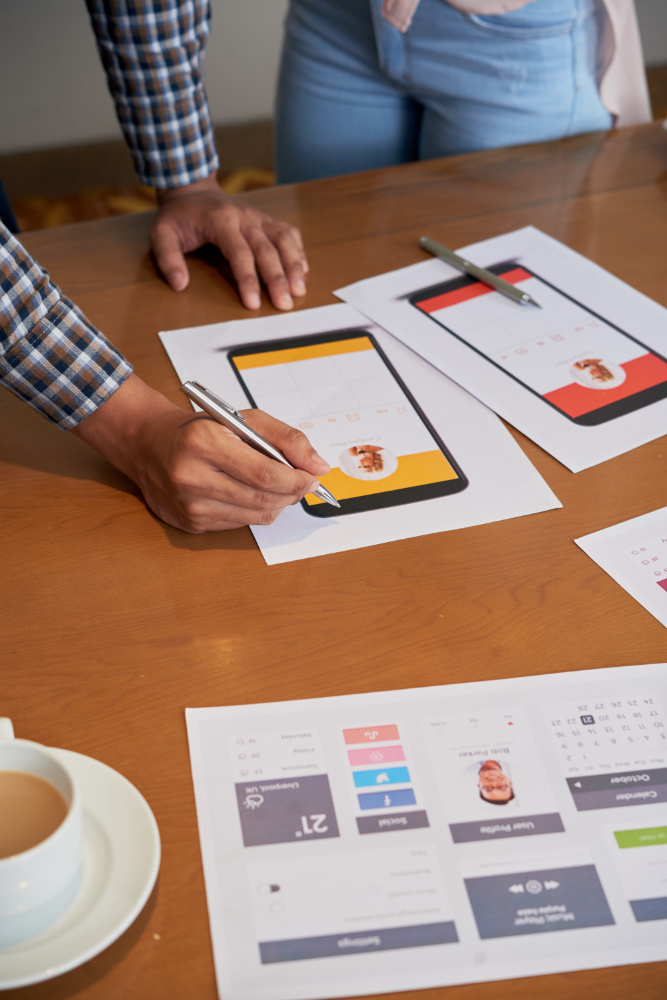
(387, 800)
(388, 776)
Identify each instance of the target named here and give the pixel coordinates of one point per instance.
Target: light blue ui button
(388, 776)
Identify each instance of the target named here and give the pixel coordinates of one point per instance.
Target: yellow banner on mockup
(304, 353)
(413, 470)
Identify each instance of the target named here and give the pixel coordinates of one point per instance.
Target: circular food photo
(368, 462)
(596, 373)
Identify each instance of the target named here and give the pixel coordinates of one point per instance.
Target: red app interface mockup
(563, 352)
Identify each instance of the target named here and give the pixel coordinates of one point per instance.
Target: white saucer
(121, 846)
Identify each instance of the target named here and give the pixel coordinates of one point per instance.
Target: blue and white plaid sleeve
(50, 355)
(153, 53)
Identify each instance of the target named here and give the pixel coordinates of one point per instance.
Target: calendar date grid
(610, 734)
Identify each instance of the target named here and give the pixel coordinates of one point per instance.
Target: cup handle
(6, 729)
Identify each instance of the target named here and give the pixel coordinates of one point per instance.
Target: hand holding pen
(195, 474)
(225, 483)
(231, 418)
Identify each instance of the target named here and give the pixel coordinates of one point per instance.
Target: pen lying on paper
(504, 287)
(231, 418)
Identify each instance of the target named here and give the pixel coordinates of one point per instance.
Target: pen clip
(219, 401)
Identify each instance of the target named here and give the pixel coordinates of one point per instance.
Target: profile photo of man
(494, 785)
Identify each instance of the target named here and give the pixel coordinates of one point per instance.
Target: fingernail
(285, 301)
(177, 280)
(299, 287)
(314, 487)
(321, 461)
(254, 301)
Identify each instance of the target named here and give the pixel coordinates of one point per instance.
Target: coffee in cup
(32, 808)
(41, 850)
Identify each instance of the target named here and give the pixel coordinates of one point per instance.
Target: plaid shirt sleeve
(153, 51)
(50, 355)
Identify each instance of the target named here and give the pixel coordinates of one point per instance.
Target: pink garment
(622, 83)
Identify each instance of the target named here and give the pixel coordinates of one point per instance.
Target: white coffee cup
(38, 885)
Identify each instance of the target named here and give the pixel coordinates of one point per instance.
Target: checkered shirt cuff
(50, 355)
(153, 53)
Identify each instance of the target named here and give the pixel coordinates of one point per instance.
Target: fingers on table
(292, 253)
(272, 249)
(166, 244)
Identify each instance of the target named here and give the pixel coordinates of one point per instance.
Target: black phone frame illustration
(593, 418)
(373, 501)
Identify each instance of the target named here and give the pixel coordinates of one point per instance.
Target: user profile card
(492, 782)
(412, 839)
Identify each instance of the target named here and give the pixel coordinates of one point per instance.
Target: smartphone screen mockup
(342, 392)
(576, 361)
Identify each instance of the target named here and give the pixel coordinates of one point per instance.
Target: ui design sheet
(584, 375)
(634, 554)
(372, 843)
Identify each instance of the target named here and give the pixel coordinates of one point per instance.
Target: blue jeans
(354, 93)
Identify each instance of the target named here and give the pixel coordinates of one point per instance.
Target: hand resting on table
(199, 213)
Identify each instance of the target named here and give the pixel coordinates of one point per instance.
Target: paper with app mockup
(634, 554)
(503, 483)
(410, 839)
(585, 376)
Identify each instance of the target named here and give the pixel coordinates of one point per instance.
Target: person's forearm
(51, 356)
(153, 57)
(117, 428)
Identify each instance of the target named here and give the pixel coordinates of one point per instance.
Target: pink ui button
(375, 755)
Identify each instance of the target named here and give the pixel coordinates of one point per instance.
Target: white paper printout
(502, 481)
(585, 376)
(634, 554)
(409, 839)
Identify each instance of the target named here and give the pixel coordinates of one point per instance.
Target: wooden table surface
(112, 622)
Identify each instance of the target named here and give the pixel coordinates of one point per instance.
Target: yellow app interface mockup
(343, 396)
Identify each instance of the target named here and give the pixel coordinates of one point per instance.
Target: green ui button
(649, 837)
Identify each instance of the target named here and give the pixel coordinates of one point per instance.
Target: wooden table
(113, 623)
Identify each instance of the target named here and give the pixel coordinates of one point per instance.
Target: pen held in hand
(486, 277)
(236, 422)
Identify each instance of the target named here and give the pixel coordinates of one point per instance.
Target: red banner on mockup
(640, 373)
(470, 291)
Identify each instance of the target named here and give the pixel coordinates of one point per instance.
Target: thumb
(170, 260)
(294, 445)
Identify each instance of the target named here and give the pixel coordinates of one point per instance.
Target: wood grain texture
(113, 623)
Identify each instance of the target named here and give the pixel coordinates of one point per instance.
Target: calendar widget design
(492, 781)
(613, 751)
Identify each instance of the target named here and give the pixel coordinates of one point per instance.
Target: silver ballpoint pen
(236, 422)
(504, 287)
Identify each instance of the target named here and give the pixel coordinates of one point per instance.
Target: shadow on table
(42, 449)
(29, 442)
(238, 539)
(74, 982)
